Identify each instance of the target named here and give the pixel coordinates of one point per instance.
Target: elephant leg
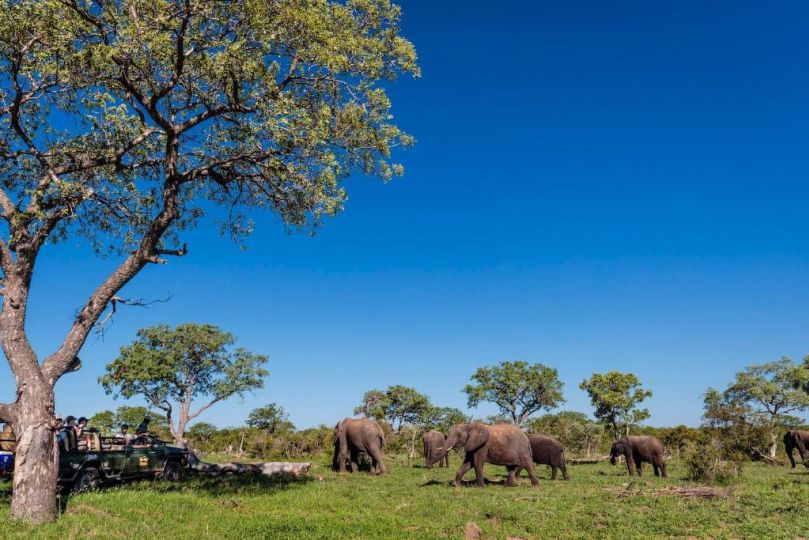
(355, 461)
(553, 472)
(564, 472)
(446, 460)
(465, 466)
(630, 466)
(342, 458)
(379, 463)
(655, 468)
(511, 481)
(639, 468)
(478, 460)
(518, 472)
(663, 469)
(531, 473)
(789, 455)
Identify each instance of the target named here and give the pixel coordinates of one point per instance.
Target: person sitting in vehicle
(80, 439)
(142, 434)
(124, 434)
(69, 439)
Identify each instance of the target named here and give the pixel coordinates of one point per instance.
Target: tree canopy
(615, 397)
(270, 418)
(172, 367)
(398, 405)
(759, 401)
(122, 124)
(517, 388)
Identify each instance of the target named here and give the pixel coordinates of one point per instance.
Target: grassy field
(598, 501)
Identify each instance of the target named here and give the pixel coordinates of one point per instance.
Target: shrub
(712, 462)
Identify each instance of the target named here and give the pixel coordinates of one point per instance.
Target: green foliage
(517, 388)
(711, 461)
(109, 423)
(398, 405)
(753, 410)
(247, 104)
(615, 397)
(443, 418)
(270, 418)
(575, 430)
(168, 366)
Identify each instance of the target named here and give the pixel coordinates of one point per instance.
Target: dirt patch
(471, 531)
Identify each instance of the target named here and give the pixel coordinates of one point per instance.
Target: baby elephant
(548, 451)
(636, 450)
(503, 444)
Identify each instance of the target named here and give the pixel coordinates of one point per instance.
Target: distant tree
(398, 405)
(443, 418)
(201, 434)
(575, 430)
(615, 397)
(173, 367)
(104, 421)
(517, 388)
(769, 392)
(271, 419)
(374, 404)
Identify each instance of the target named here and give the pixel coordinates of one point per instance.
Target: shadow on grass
(245, 484)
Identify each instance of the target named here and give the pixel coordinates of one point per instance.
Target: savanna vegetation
(413, 502)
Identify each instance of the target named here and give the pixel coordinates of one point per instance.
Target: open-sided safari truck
(93, 460)
(109, 459)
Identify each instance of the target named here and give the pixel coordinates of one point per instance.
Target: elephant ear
(476, 437)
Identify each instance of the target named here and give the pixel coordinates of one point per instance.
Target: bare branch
(101, 325)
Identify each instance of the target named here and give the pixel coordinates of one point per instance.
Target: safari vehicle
(103, 460)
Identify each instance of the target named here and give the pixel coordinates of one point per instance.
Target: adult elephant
(796, 438)
(434, 442)
(355, 435)
(548, 451)
(502, 444)
(637, 450)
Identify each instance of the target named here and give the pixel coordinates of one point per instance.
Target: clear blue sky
(596, 185)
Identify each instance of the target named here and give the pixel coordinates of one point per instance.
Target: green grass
(770, 502)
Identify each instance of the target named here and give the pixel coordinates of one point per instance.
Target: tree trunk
(36, 461)
(773, 445)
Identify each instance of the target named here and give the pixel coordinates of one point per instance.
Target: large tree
(270, 419)
(768, 392)
(615, 397)
(172, 368)
(517, 388)
(123, 123)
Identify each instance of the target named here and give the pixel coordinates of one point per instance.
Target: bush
(711, 462)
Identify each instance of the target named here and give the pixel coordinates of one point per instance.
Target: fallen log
(758, 455)
(268, 468)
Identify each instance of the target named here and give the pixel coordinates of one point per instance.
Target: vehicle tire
(172, 472)
(88, 480)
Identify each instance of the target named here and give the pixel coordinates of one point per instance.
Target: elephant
(636, 450)
(796, 438)
(433, 447)
(355, 435)
(502, 444)
(548, 451)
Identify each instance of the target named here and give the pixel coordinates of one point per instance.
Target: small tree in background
(109, 422)
(173, 367)
(768, 393)
(615, 397)
(575, 430)
(517, 388)
(443, 418)
(271, 419)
